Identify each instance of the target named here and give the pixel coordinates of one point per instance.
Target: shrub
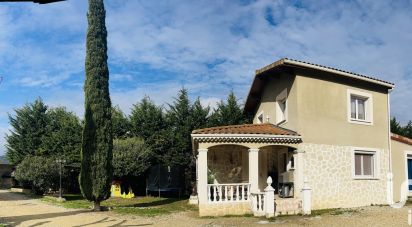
(39, 173)
(130, 157)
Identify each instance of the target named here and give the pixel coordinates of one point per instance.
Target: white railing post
(306, 198)
(269, 199)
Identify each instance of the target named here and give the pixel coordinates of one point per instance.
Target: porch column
(254, 170)
(202, 176)
(299, 168)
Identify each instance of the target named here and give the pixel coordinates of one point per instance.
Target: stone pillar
(202, 176)
(306, 198)
(299, 168)
(269, 199)
(254, 170)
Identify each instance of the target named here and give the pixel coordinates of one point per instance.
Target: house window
(360, 107)
(260, 118)
(364, 164)
(281, 107)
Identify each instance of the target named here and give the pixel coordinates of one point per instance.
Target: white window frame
(376, 163)
(282, 117)
(263, 117)
(368, 107)
(407, 155)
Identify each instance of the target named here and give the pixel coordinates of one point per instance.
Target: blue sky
(209, 47)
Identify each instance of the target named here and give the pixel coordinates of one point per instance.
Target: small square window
(364, 164)
(360, 107)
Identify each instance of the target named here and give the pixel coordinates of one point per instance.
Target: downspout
(389, 144)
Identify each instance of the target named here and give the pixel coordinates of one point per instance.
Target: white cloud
(208, 48)
(121, 77)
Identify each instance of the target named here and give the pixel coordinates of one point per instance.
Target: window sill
(361, 122)
(365, 178)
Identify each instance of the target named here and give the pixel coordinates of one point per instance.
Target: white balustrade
(258, 203)
(220, 193)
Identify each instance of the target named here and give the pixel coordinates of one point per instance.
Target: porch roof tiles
(258, 129)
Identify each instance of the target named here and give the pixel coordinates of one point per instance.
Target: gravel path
(18, 210)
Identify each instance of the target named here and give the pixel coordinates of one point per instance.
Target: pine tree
(29, 128)
(200, 115)
(120, 124)
(64, 135)
(395, 126)
(96, 156)
(146, 119)
(229, 113)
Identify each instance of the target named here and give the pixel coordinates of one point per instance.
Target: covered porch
(237, 165)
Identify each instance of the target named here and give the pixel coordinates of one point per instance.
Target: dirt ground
(18, 210)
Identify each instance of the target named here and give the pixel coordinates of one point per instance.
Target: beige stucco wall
(399, 151)
(274, 86)
(322, 108)
(318, 110)
(328, 169)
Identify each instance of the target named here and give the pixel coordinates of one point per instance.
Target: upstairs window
(260, 118)
(360, 107)
(281, 107)
(357, 108)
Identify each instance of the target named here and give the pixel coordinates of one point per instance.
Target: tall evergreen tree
(407, 130)
(64, 135)
(200, 115)
(180, 126)
(120, 124)
(396, 126)
(29, 128)
(229, 113)
(96, 156)
(146, 119)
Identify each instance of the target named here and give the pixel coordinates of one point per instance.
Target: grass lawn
(142, 206)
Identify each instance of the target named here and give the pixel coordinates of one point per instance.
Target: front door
(409, 174)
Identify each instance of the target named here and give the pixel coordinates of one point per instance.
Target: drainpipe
(390, 175)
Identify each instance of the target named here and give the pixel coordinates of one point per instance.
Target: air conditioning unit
(286, 184)
(286, 177)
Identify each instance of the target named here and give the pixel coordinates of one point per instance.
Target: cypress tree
(96, 156)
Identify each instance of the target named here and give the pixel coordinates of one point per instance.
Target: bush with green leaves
(130, 157)
(39, 173)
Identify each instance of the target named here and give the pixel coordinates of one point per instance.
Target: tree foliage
(121, 125)
(63, 137)
(397, 128)
(39, 173)
(228, 113)
(29, 126)
(131, 157)
(147, 119)
(96, 166)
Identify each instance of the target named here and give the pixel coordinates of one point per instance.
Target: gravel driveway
(18, 210)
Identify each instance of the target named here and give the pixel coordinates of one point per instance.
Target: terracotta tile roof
(288, 61)
(401, 139)
(264, 129)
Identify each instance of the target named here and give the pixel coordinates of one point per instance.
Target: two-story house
(312, 125)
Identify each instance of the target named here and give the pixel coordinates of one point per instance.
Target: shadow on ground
(17, 220)
(154, 203)
(11, 196)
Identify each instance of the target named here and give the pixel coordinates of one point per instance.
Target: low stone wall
(329, 168)
(21, 190)
(222, 209)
